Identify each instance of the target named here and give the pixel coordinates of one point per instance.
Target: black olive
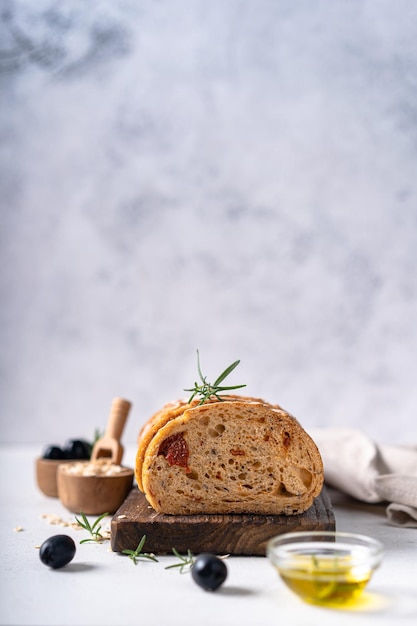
(209, 571)
(77, 449)
(57, 551)
(53, 452)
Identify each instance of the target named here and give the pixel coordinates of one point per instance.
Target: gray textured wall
(238, 177)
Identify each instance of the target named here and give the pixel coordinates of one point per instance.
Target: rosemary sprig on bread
(206, 390)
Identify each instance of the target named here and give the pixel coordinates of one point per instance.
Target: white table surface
(101, 587)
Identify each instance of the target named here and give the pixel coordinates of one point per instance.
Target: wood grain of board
(218, 534)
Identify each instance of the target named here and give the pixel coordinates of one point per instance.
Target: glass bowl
(325, 567)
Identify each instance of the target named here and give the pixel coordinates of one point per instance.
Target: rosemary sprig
(94, 530)
(137, 554)
(206, 390)
(186, 561)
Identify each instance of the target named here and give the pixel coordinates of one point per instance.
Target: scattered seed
(55, 520)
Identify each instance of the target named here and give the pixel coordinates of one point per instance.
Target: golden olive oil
(326, 579)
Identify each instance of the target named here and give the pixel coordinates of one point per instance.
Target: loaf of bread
(240, 455)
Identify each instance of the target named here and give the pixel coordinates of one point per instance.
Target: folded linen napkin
(370, 472)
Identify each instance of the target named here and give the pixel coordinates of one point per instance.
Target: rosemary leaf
(94, 529)
(136, 555)
(186, 561)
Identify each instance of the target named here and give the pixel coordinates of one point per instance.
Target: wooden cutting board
(218, 534)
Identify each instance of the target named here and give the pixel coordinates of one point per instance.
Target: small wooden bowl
(46, 475)
(93, 495)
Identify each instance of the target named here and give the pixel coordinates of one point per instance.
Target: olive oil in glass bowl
(325, 567)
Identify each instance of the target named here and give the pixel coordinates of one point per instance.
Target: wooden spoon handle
(117, 418)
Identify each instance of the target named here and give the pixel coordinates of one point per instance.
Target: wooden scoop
(109, 445)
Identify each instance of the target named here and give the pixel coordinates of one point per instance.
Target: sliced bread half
(241, 455)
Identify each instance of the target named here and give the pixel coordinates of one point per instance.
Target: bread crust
(242, 455)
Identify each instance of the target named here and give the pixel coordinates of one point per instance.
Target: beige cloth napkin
(370, 472)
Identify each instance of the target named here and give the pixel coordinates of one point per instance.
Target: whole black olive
(77, 449)
(57, 551)
(209, 571)
(53, 452)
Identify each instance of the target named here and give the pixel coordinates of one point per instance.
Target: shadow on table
(73, 568)
(237, 592)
